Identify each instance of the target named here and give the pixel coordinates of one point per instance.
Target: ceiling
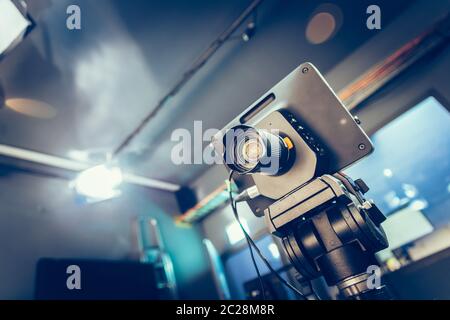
(96, 84)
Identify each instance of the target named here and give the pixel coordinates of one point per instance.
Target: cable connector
(247, 194)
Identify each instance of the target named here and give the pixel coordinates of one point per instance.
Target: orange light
(288, 143)
(320, 28)
(31, 108)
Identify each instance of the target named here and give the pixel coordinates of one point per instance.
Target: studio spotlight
(15, 24)
(98, 183)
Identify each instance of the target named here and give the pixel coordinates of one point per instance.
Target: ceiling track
(188, 74)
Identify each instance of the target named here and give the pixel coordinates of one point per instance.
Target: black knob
(362, 186)
(376, 215)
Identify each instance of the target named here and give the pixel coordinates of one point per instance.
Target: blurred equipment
(417, 249)
(186, 198)
(218, 272)
(403, 227)
(215, 200)
(153, 252)
(99, 280)
(424, 279)
(15, 24)
(274, 288)
(430, 244)
(291, 144)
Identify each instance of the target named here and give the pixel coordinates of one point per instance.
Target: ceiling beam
(66, 168)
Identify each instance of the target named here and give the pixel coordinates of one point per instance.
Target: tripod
(329, 229)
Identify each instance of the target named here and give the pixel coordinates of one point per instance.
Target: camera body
(315, 128)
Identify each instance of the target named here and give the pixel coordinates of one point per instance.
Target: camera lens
(249, 150)
(252, 150)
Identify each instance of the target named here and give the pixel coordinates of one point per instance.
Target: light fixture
(31, 108)
(234, 231)
(98, 183)
(15, 24)
(324, 23)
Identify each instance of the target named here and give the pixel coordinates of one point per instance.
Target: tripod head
(329, 229)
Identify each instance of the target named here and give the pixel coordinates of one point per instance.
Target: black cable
(250, 242)
(261, 282)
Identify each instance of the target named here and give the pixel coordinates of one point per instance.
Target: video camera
(289, 148)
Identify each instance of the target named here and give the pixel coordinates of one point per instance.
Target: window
(410, 168)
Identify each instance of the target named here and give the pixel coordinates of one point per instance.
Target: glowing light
(320, 28)
(79, 155)
(392, 199)
(324, 23)
(410, 190)
(234, 231)
(31, 108)
(419, 204)
(274, 250)
(388, 173)
(99, 182)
